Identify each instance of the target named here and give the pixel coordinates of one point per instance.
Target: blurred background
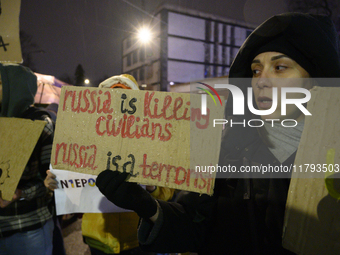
(163, 44)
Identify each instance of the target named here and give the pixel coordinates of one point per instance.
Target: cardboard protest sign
(18, 139)
(157, 136)
(312, 222)
(10, 49)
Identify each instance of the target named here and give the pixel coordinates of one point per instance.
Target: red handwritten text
(156, 171)
(178, 111)
(84, 101)
(75, 155)
(128, 127)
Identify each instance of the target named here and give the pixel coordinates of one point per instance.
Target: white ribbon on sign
(77, 193)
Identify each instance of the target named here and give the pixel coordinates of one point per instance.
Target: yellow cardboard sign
(10, 49)
(312, 223)
(157, 136)
(18, 139)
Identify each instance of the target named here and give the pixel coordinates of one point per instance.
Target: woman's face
(274, 69)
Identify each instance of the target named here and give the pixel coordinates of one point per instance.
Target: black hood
(19, 86)
(314, 36)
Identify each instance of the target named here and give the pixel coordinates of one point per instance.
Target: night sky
(90, 32)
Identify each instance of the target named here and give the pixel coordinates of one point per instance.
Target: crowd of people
(243, 216)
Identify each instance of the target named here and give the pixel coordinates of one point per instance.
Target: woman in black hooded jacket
(245, 214)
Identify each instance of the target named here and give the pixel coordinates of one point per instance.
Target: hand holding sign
(50, 180)
(126, 195)
(16, 196)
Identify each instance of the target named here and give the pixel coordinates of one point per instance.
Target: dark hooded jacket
(19, 86)
(314, 36)
(245, 216)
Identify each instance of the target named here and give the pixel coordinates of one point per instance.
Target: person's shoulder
(37, 113)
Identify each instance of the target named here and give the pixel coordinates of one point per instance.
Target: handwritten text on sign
(18, 139)
(10, 50)
(159, 137)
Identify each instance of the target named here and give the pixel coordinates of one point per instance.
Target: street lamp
(144, 35)
(87, 81)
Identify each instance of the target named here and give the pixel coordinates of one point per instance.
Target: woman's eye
(255, 72)
(281, 68)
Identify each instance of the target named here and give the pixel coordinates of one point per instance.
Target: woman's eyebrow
(256, 61)
(278, 57)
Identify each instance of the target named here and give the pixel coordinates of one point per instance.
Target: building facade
(186, 46)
